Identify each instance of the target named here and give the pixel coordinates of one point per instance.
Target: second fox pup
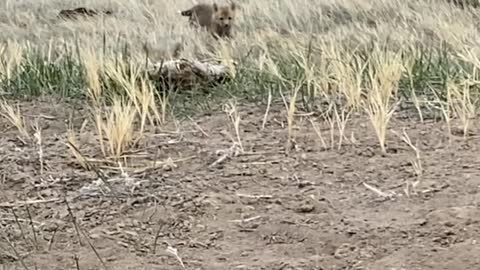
(218, 20)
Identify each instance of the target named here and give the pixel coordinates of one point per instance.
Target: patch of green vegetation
(64, 77)
(35, 76)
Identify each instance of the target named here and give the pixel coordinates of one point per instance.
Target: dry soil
(261, 209)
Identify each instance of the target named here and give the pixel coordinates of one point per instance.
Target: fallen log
(186, 73)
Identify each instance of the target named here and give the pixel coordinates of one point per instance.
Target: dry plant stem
(199, 127)
(245, 220)
(290, 117)
(233, 151)
(155, 159)
(97, 115)
(380, 119)
(19, 225)
(77, 264)
(74, 220)
(140, 92)
(92, 70)
(157, 236)
(119, 127)
(174, 252)
(164, 103)
(73, 146)
(19, 257)
(459, 99)
(17, 203)
(383, 77)
(319, 134)
(416, 103)
(11, 56)
(94, 250)
(408, 141)
(38, 137)
(331, 123)
(416, 164)
(290, 106)
(50, 243)
(348, 80)
(94, 90)
(408, 66)
(269, 102)
(254, 196)
(14, 116)
(341, 124)
(32, 226)
(445, 109)
(377, 191)
(232, 112)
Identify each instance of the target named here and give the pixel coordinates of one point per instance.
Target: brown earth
(261, 209)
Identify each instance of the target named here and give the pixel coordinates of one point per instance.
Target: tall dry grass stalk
(384, 73)
(416, 163)
(232, 112)
(93, 70)
(15, 117)
(226, 58)
(11, 55)
(38, 137)
(337, 120)
(347, 70)
(118, 127)
(291, 108)
(73, 146)
(137, 102)
(408, 67)
(92, 67)
(445, 109)
(319, 133)
(269, 66)
(139, 90)
(342, 119)
(462, 103)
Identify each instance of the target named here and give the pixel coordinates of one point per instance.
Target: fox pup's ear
(233, 6)
(215, 7)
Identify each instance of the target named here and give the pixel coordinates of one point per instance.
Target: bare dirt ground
(259, 210)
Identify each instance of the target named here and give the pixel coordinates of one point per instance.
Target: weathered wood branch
(183, 72)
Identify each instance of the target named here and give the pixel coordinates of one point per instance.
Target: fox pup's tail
(187, 13)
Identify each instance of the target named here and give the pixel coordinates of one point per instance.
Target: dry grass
(324, 57)
(410, 186)
(92, 73)
(231, 110)
(159, 24)
(73, 146)
(463, 104)
(11, 54)
(15, 117)
(118, 128)
(384, 75)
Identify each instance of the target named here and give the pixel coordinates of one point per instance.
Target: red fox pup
(218, 20)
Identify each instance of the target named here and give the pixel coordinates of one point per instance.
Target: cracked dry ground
(307, 210)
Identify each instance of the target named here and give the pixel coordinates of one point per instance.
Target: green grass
(36, 76)
(63, 77)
